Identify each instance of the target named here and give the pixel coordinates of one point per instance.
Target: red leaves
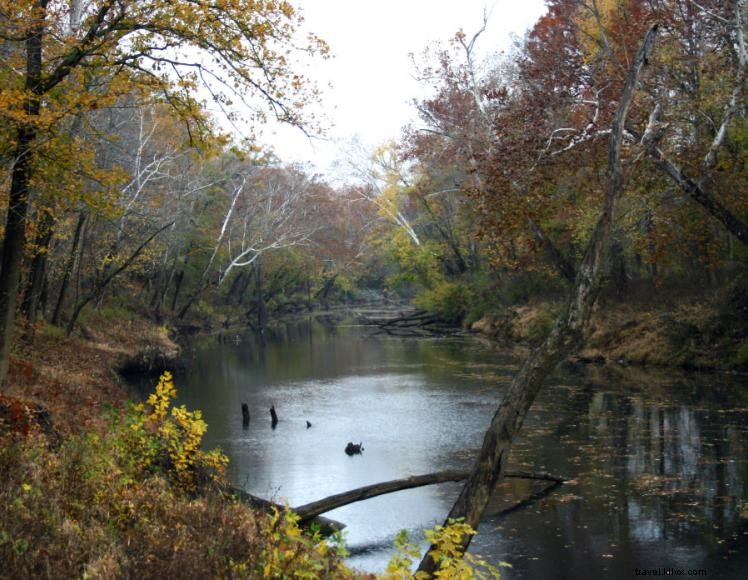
(18, 417)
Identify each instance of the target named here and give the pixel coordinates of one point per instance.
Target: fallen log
(327, 526)
(541, 475)
(417, 317)
(315, 508)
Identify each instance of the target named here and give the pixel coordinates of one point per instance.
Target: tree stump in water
(273, 417)
(354, 448)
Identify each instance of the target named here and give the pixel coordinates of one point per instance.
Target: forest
(582, 196)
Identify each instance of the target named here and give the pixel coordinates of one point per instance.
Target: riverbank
(693, 335)
(75, 378)
(92, 486)
(75, 499)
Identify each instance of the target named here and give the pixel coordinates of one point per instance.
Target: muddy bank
(698, 336)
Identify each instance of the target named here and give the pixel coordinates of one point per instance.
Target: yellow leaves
(447, 552)
(289, 553)
(160, 433)
(161, 399)
(592, 21)
(150, 55)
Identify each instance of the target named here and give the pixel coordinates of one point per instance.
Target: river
(658, 460)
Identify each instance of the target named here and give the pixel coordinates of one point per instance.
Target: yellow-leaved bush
(448, 554)
(164, 437)
(291, 553)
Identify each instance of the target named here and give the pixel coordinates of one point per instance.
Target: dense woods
(123, 196)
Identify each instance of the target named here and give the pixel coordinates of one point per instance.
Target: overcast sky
(371, 73)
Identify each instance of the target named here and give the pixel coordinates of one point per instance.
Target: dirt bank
(692, 336)
(75, 378)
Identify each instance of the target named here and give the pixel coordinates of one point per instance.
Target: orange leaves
(153, 46)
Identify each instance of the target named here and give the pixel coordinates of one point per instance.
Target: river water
(658, 460)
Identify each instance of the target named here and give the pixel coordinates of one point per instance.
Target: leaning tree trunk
(711, 204)
(565, 335)
(14, 242)
(261, 307)
(101, 286)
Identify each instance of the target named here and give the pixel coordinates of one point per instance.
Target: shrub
(740, 359)
(540, 325)
(448, 554)
(449, 300)
(163, 437)
(54, 334)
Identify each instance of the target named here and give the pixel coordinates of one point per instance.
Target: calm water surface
(658, 460)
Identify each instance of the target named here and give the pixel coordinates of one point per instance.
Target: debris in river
(354, 448)
(273, 417)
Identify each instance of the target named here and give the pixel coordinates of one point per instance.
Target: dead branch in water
(337, 500)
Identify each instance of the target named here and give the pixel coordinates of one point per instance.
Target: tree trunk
(177, 288)
(69, 267)
(101, 286)
(37, 274)
(235, 288)
(325, 290)
(565, 335)
(261, 311)
(14, 243)
(618, 274)
(165, 286)
(240, 301)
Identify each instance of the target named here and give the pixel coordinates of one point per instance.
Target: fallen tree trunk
(416, 317)
(313, 509)
(564, 336)
(327, 526)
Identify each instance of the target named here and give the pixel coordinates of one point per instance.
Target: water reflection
(658, 459)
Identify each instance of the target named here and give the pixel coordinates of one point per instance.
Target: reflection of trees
(681, 473)
(662, 468)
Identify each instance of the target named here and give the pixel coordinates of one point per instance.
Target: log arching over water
(315, 508)
(310, 513)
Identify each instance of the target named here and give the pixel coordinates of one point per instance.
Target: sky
(371, 72)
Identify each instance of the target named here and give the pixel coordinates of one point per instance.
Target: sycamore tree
(65, 58)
